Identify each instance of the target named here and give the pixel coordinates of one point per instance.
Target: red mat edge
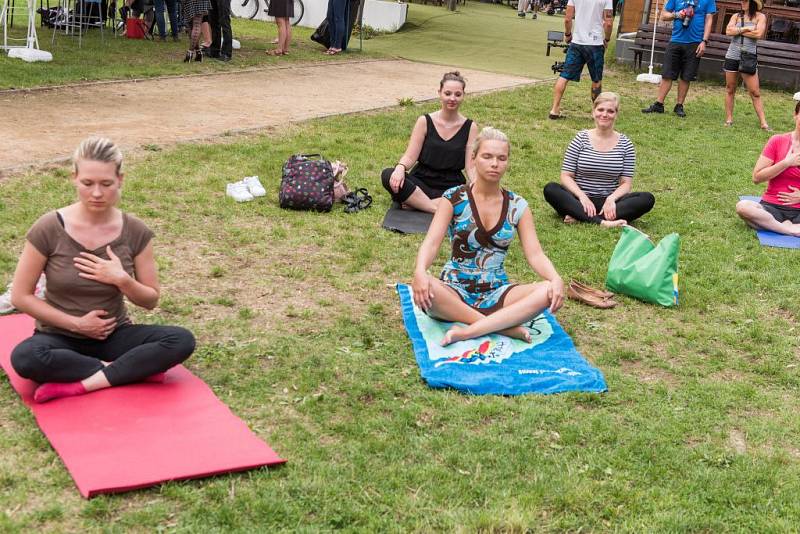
(210, 474)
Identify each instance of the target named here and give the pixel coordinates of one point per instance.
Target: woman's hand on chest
(95, 268)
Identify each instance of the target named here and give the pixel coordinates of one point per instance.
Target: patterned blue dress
(475, 270)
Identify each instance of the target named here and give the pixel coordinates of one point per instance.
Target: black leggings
(409, 184)
(629, 207)
(136, 352)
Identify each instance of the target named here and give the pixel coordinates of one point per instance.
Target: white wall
(378, 14)
(385, 16)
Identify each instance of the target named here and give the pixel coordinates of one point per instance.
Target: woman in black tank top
(436, 154)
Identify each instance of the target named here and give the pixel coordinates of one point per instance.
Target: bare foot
(613, 224)
(794, 230)
(518, 332)
(569, 219)
(454, 334)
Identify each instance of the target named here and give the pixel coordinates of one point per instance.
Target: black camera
(555, 39)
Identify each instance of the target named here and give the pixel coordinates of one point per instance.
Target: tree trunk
(451, 4)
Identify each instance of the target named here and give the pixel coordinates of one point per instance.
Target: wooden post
(451, 4)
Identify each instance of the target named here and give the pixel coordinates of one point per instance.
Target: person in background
(597, 174)
(437, 152)
(193, 13)
(219, 19)
(588, 38)
(172, 11)
(691, 26)
(745, 29)
(338, 11)
(528, 6)
(282, 10)
(779, 166)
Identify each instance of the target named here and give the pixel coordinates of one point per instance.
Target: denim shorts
(579, 55)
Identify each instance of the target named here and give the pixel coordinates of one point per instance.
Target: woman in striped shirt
(597, 173)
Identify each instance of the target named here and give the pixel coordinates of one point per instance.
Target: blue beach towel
(773, 239)
(497, 364)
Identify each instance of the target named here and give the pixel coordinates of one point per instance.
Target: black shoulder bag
(748, 64)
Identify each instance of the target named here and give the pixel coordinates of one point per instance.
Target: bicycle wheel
(245, 9)
(299, 10)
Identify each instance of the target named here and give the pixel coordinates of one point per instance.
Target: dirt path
(45, 125)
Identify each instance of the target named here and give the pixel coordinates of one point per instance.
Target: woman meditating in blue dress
(481, 219)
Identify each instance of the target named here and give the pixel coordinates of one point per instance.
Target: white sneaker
(238, 192)
(5, 302)
(254, 186)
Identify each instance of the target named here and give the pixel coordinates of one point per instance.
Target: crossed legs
(757, 217)
(70, 366)
(411, 194)
(521, 304)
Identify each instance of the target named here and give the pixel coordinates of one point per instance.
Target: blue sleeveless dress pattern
(475, 270)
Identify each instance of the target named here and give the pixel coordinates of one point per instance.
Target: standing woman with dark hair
(282, 10)
(745, 28)
(437, 152)
(94, 257)
(193, 13)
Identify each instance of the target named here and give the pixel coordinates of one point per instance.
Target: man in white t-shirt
(588, 39)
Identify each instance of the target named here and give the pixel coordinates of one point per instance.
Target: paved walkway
(42, 126)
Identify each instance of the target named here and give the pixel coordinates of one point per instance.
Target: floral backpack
(307, 183)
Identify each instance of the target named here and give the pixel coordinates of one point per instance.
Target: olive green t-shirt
(72, 294)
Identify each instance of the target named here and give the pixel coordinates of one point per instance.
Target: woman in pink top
(779, 166)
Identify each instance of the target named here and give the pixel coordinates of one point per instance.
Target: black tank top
(441, 162)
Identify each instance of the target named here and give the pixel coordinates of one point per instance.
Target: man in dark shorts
(592, 31)
(690, 29)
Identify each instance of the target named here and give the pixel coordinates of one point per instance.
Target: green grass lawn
(300, 336)
(481, 36)
(120, 58)
(469, 37)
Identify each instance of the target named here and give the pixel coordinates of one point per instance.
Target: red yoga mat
(134, 436)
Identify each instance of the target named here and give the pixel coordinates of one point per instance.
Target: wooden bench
(773, 54)
(644, 41)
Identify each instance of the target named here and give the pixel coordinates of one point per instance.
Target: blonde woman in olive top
(93, 255)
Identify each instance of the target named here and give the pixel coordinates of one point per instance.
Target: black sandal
(357, 200)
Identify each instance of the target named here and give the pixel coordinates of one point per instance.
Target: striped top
(598, 173)
(740, 42)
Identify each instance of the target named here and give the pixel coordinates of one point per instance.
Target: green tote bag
(645, 271)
